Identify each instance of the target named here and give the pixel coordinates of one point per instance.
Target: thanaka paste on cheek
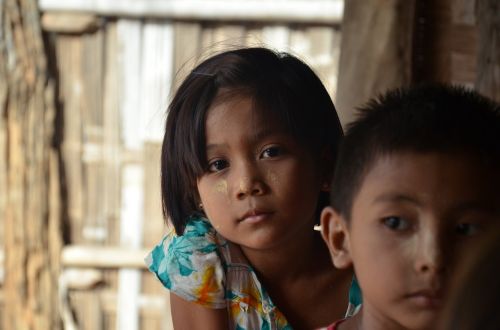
(221, 187)
(272, 177)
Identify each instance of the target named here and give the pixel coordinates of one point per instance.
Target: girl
(250, 142)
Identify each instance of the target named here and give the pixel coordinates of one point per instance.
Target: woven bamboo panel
(115, 81)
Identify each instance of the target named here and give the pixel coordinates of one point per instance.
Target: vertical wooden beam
(376, 51)
(445, 43)
(488, 57)
(32, 212)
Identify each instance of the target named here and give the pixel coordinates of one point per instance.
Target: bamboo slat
(68, 52)
(129, 34)
(157, 58)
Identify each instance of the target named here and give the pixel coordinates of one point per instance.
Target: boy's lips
(427, 298)
(255, 215)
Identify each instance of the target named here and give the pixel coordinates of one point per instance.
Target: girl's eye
(217, 165)
(271, 152)
(467, 229)
(396, 223)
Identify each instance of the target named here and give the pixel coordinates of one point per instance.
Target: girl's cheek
(220, 187)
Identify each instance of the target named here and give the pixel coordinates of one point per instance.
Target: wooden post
(31, 215)
(488, 56)
(376, 51)
(445, 41)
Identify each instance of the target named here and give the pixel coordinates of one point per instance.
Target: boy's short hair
(426, 118)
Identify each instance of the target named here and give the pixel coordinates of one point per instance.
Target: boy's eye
(271, 152)
(467, 229)
(396, 223)
(217, 165)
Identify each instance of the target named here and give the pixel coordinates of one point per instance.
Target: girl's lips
(255, 216)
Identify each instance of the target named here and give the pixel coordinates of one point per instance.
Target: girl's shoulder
(190, 265)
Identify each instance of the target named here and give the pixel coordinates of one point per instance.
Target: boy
(416, 183)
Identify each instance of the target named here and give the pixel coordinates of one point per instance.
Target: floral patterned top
(203, 267)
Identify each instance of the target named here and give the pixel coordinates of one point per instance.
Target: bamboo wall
(116, 75)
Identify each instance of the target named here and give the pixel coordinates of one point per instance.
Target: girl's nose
(249, 183)
(249, 187)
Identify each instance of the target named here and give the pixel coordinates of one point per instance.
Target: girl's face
(413, 217)
(261, 187)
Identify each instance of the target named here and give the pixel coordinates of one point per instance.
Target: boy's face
(411, 219)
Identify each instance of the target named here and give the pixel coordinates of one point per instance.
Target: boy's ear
(336, 236)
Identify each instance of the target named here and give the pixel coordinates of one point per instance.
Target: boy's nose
(430, 254)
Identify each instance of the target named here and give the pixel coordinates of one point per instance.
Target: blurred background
(84, 87)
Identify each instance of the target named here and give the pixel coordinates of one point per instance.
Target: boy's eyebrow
(478, 206)
(395, 197)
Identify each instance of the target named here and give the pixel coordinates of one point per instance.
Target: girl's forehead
(229, 105)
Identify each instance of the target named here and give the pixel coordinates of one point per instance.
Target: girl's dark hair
(279, 84)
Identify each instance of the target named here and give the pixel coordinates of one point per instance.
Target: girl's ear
(335, 234)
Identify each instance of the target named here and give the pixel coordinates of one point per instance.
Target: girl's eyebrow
(214, 146)
(265, 132)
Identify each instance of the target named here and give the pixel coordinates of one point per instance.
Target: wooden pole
(376, 51)
(31, 215)
(488, 56)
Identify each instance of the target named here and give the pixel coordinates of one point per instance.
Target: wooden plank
(69, 22)
(463, 12)
(298, 11)
(488, 57)
(91, 256)
(463, 69)
(28, 106)
(376, 51)
(445, 42)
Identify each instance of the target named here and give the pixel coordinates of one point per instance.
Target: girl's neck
(291, 260)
